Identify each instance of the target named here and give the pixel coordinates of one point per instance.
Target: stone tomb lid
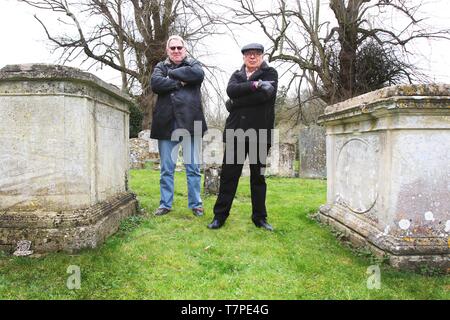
(41, 71)
(394, 93)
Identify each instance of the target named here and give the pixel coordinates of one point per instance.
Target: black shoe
(216, 224)
(161, 211)
(263, 224)
(198, 212)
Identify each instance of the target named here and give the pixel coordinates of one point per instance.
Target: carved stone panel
(356, 173)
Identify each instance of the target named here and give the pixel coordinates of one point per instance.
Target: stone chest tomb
(63, 158)
(388, 170)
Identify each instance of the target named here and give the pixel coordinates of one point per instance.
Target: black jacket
(177, 106)
(251, 108)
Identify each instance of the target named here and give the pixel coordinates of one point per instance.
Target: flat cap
(252, 46)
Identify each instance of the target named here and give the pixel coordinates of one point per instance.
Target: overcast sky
(23, 40)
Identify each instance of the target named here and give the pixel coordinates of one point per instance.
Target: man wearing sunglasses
(178, 111)
(252, 92)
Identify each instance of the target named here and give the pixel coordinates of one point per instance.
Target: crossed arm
(190, 74)
(176, 78)
(243, 94)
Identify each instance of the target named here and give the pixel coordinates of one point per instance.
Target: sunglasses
(178, 48)
(252, 53)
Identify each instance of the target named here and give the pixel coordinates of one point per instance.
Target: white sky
(22, 40)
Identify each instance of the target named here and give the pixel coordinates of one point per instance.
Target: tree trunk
(120, 44)
(147, 102)
(347, 57)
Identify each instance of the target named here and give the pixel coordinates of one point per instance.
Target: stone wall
(139, 154)
(388, 173)
(63, 158)
(143, 149)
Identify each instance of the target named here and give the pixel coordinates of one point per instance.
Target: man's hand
(266, 86)
(180, 84)
(169, 76)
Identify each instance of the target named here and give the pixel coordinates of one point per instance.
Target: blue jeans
(168, 152)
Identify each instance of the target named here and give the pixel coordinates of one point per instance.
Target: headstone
(312, 152)
(286, 160)
(144, 134)
(212, 180)
(246, 169)
(212, 157)
(388, 173)
(212, 148)
(153, 152)
(63, 158)
(279, 162)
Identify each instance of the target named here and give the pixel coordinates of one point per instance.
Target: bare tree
(326, 52)
(128, 36)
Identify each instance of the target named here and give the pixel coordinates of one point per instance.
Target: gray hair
(175, 37)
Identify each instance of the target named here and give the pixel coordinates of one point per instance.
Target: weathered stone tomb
(388, 170)
(63, 158)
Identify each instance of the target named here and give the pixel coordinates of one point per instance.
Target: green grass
(177, 257)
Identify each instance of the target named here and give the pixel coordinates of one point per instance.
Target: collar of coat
(264, 67)
(186, 61)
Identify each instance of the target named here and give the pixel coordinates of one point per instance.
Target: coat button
(242, 117)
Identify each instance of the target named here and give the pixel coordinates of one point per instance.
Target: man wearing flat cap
(252, 92)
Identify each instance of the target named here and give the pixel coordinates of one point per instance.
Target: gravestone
(388, 173)
(63, 158)
(212, 147)
(212, 157)
(312, 152)
(153, 151)
(279, 162)
(286, 160)
(211, 182)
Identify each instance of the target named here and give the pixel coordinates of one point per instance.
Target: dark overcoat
(177, 106)
(251, 108)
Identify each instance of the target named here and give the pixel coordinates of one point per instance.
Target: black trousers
(233, 162)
